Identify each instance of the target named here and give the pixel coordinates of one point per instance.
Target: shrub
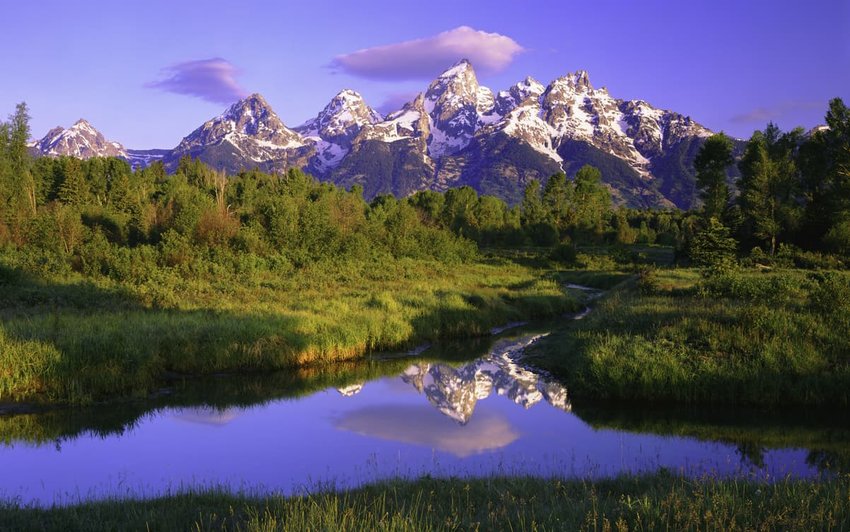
(713, 249)
(832, 293)
(565, 254)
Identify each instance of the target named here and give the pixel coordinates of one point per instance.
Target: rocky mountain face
(334, 129)
(249, 134)
(80, 140)
(455, 133)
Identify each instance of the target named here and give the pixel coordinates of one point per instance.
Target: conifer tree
(74, 189)
(711, 164)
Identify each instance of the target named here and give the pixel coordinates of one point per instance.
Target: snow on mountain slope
(80, 140)
(450, 135)
(335, 127)
(251, 127)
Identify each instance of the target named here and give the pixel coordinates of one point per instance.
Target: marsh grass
(777, 338)
(649, 502)
(80, 340)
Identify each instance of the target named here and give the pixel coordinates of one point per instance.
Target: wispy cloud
(213, 80)
(395, 101)
(424, 58)
(776, 111)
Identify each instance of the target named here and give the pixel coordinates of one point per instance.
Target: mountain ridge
(457, 132)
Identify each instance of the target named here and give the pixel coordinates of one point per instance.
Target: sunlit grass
(746, 338)
(82, 342)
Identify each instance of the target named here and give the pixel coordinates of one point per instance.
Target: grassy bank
(78, 340)
(654, 502)
(774, 338)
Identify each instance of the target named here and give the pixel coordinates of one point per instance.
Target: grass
(651, 502)
(76, 341)
(777, 338)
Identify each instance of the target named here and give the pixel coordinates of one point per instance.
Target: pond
(467, 409)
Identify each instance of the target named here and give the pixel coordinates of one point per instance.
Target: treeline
(98, 216)
(793, 193)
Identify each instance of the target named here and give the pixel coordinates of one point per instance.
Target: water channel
(463, 409)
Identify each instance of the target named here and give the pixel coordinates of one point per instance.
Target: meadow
(745, 337)
(75, 341)
(649, 502)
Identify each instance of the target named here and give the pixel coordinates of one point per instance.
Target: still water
(434, 414)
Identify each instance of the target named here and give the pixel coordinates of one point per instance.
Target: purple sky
(146, 73)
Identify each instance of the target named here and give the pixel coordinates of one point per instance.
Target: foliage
(713, 248)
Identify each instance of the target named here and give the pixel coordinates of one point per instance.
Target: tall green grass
(777, 338)
(651, 502)
(79, 342)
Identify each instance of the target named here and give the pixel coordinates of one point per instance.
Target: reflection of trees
(752, 453)
(831, 461)
(217, 393)
(752, 431)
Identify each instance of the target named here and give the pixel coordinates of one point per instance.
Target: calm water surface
(480, 417)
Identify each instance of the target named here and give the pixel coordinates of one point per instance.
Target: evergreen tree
(824, 161)
(711, 164)
(713, 248)
(558, 202)
(19, 161)
(74, 189)
(532, 208)
(592, 202)
(769, 184)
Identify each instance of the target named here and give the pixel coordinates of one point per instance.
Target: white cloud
(425, 58)
(212, 79)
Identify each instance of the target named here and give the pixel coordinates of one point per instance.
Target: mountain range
(455, 133)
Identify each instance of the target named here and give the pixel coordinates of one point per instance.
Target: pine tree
(713, 248)
(74, 189)
(711, 164)
(558, 202)
(18, 161)
(769, 201)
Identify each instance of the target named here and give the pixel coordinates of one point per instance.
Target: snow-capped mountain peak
(249, 130)
(341, 119)
(80, 140)
(334, 129)
(452, 101)
(457, 132)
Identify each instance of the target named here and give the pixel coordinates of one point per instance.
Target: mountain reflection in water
(455, 391)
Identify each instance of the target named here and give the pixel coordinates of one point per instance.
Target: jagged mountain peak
(453, 101)
(252, 115)
(517, 94)
(341, 119)
(578, 81)
(249, 132)
(455, 133)
(460, 68)
(459, 79)
(80, 140)
(531, 85)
